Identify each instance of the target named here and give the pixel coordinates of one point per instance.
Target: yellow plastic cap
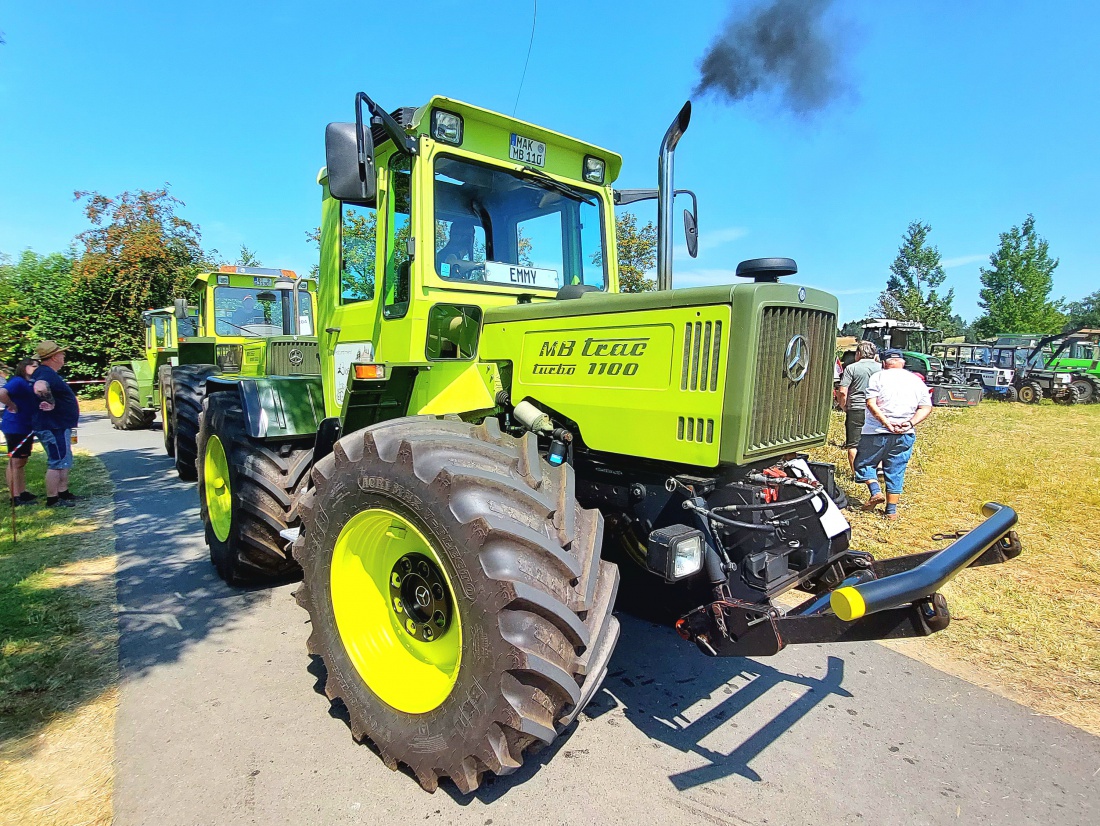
(847, 603)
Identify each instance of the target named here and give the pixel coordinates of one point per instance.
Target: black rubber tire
(1069, 395)
(135, 417)
(266, 480)
(534, 597)
(1031, 393)
(188, 390)
(1011, 395)
(1086, 391)
(167, 424)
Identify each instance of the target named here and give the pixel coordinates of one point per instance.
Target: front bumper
(887, 599)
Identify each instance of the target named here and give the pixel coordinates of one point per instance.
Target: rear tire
(124, 400)
(167, 424)
(531, 598)
(188, 390)
(260, 486)
(1086, 392)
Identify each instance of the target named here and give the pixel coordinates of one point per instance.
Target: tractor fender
(276, 407)
(143, 373)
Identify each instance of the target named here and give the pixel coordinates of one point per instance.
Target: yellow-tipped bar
(847, 603)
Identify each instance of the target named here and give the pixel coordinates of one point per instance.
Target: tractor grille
(702, 348)
(786, 412)
(293, 358)
(695, 430)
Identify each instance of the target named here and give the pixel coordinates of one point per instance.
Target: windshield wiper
(551, 183)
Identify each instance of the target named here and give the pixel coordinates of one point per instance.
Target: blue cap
(893, 354)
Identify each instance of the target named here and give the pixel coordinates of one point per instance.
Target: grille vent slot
(702, 354)
(690, 429)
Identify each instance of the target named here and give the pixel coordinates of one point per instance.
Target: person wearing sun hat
(54, 420)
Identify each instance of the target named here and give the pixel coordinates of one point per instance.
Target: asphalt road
(221, 720)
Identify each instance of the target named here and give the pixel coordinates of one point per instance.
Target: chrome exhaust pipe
(666, 194)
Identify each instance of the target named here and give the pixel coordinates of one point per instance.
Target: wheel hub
(419, 597)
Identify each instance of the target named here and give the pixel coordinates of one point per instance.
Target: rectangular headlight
(447, 127)
(593, 170)
(675, 552)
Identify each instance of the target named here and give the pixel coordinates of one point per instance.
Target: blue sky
(967, 116)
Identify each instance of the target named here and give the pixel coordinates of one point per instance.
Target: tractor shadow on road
(169, 596)
(679, 698)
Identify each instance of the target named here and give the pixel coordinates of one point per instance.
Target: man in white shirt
(897, 401)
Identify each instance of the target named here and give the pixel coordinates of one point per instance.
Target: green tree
(911, 292)
(637, 252)
(851, 328)
(1084, 313)
(1017, 284)
(139, 253)
(34, 303)
(248, 258)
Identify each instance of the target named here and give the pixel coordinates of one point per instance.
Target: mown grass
(1030, 628)
(58, 653)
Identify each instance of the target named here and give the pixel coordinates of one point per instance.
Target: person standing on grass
(852, 396)
(897, 401)
(17, 397)
(54, 419)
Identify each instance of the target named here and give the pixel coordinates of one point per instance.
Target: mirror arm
(393, 129)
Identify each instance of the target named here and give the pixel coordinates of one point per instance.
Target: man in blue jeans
(897, 401)
(54, 420)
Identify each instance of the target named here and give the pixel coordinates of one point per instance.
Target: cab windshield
(246, 311)
(499, 227)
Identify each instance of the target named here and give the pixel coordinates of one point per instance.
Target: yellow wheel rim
(219, 496)
(116, 399)
(395, 611)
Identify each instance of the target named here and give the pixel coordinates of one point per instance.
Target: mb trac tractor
(251, 322)
(1077, 355)
(133, 388)
(499, 423)
(1036, 374)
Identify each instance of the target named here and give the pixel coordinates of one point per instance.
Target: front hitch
(889, 599)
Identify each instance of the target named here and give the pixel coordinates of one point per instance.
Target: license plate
(526, 150)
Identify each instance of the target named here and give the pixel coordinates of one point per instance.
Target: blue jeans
(59, 455)
(893, 450)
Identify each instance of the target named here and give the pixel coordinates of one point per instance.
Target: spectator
(17, 396)
(897, 402)
(852, 396)
(54, 419)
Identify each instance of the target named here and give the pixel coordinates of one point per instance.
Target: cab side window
(358, 242)
(399, 212)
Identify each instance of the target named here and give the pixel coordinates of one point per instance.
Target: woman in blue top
(19, 401)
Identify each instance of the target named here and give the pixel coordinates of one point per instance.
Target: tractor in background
(133, 389)
(251, 321)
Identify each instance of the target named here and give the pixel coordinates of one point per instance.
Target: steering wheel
(467, 270)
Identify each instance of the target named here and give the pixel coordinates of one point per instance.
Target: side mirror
(691, 234)
(181, 308)
(351, 176)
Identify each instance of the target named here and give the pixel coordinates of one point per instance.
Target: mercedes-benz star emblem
(423, 596)
(801, 293)
(296, 357)
(796, 362)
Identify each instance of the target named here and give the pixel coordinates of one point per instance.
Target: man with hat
(54, 420)
(897, 401)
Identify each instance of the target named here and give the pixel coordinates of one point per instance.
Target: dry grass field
(58, 655)
(1029, 629)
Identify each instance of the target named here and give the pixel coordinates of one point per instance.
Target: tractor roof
(204, 277)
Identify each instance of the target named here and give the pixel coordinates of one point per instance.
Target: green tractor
(251, 322)
(133, 388)
(495, 426)
(1079, 355)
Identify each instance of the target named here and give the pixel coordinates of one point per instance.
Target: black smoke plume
(783, 48)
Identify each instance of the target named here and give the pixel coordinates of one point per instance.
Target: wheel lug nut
(397, 606)
(410, 626)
